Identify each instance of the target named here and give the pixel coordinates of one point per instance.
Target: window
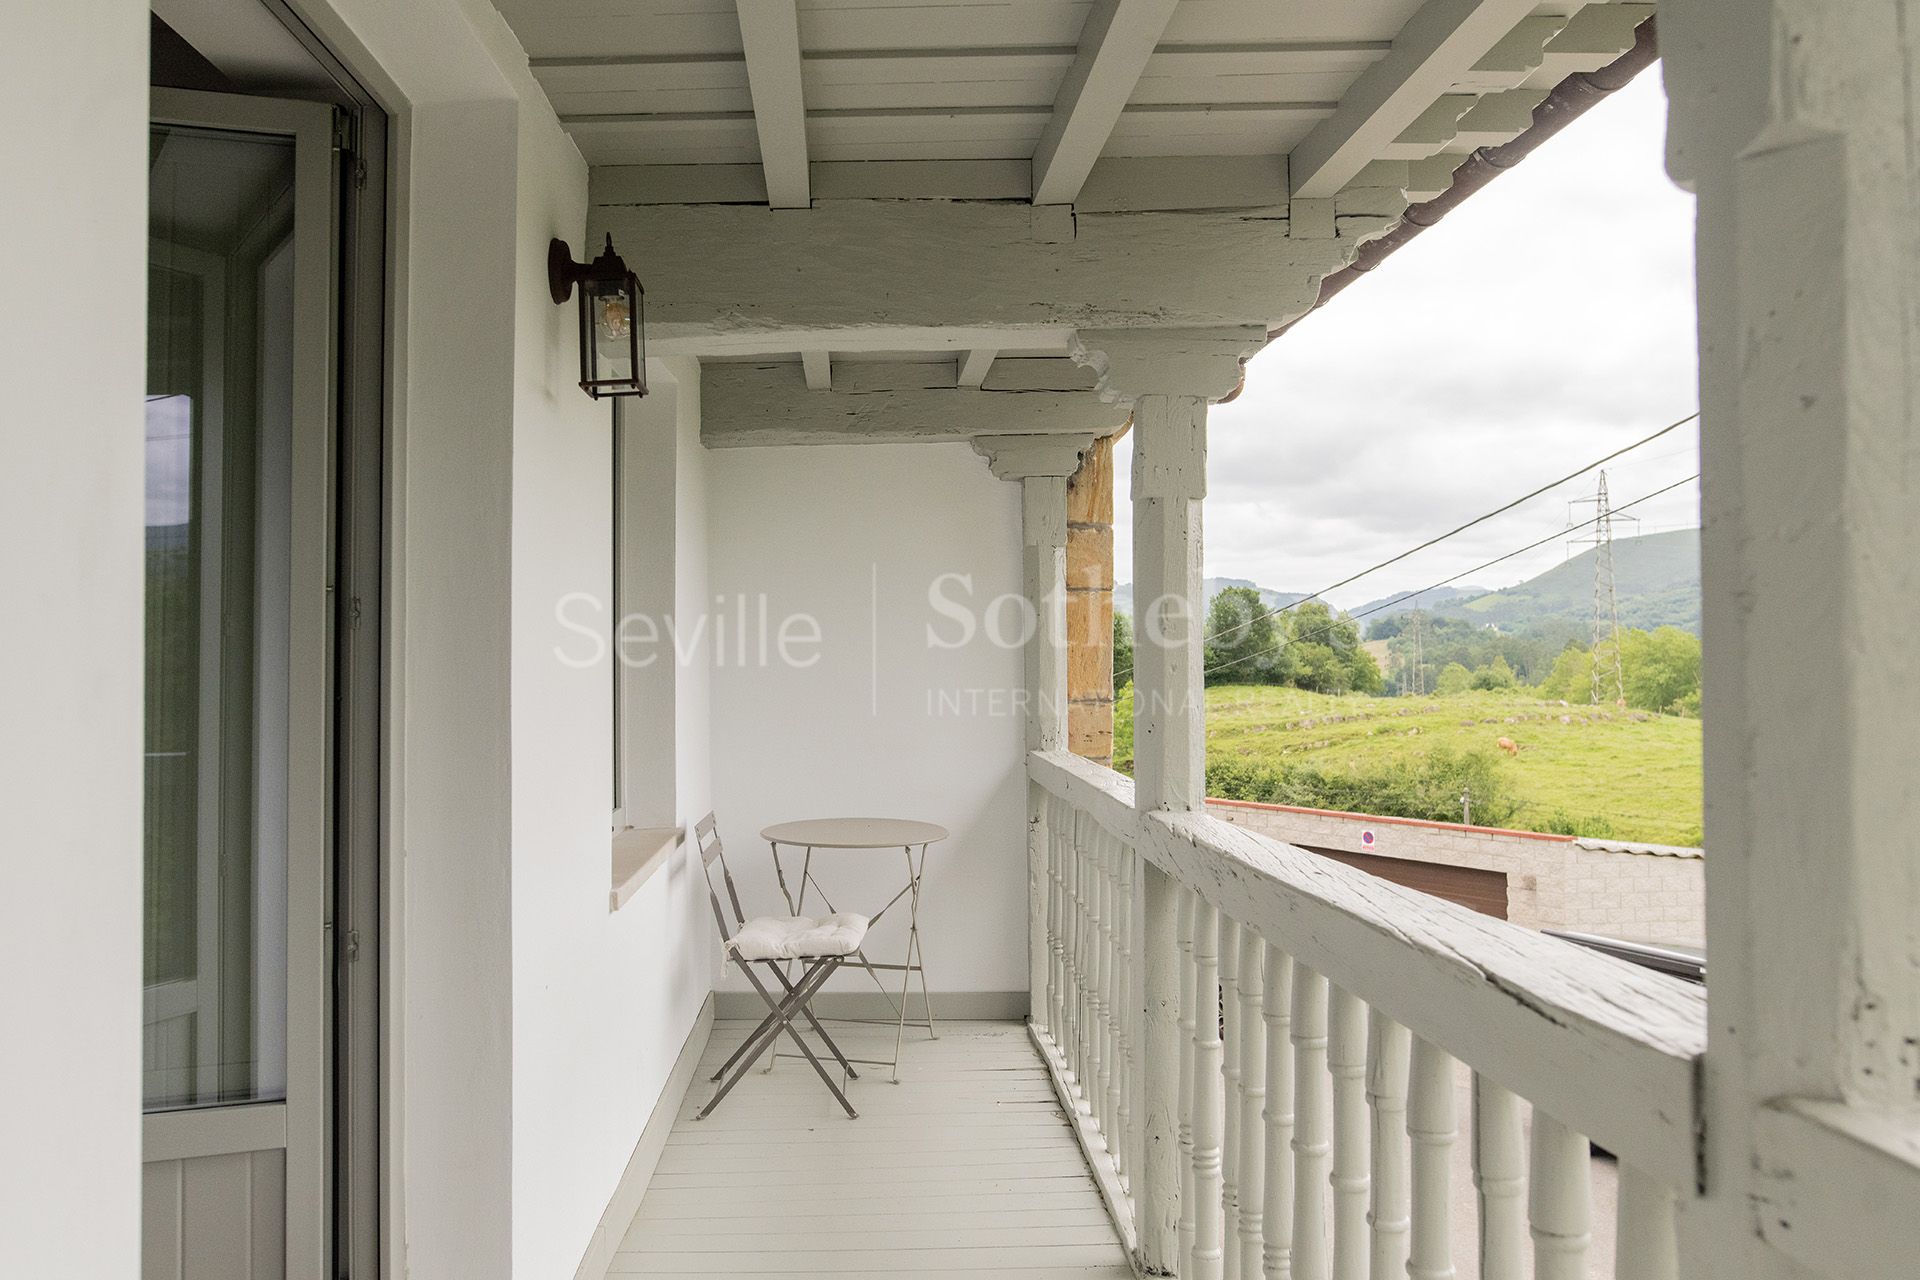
(641, 628)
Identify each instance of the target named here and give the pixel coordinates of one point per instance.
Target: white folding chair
(821, 946)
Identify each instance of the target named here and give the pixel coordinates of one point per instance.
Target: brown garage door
(1484, 891)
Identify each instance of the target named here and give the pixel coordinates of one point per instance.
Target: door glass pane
(219, 412)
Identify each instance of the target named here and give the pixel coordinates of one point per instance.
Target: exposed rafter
(770, 33)
(819, 370)
(974, 366)
(1439, 46)
(1115, 44)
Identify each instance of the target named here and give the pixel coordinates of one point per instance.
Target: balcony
(1244, 1060)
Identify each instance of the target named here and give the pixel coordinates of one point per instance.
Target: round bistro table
(867, 835)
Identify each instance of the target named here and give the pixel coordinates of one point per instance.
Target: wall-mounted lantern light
(613, 319)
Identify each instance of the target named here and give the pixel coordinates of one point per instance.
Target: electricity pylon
(1419, 654)
(1605, 648)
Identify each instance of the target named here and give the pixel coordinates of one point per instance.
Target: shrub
(1426, 787)
(1562, 823)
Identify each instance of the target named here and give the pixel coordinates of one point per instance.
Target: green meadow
(1632, 775)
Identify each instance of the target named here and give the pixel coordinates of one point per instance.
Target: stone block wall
(1090, 605)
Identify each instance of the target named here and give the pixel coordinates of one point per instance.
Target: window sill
(638, 852)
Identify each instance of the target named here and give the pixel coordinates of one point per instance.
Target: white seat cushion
(799, 937)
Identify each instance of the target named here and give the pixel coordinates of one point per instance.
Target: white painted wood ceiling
(1061, 84)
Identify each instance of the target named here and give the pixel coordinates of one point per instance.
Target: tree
(1243, 644)
(1321, 669)
(1662, 667)
(1363, 673)
(1386, 628)
(1122, 652)
(1454, 678)
(1571, 679)
(1495, 675)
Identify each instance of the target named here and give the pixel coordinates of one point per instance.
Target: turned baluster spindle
(1093, 1089)
(1559, 1200)
(1276, 1219)
(1081, 994)
(1112, 1073)
(1645, 1246)
(1500, 1180)
(1208, 1103)
(1253, 1084)
(1430, 1126)
(1070, 1046)
(1313, 1125)
(1388, 1051)
(1231, 1093)
(1083, 960)
(1188, 901)
(1060, 839)
(1347, 1064)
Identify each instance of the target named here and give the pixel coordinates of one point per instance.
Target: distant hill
(1123, 594)
(1435, 601)
(1656, 576)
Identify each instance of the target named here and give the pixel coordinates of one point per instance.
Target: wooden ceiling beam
(1439, 46)
(770, 35)
(1119, 37)
(745, 405)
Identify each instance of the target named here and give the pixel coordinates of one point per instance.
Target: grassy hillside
(1639, 773)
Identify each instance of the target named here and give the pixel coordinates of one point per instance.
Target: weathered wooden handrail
(1349, 999)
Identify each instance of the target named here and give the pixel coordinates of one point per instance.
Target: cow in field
(1509, 746)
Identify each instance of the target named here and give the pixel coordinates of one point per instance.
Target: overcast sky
(1546, 322)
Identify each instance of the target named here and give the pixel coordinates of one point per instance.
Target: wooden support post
(1169, 769)
(1169, 377)
(1793, 122)
(1041, 465)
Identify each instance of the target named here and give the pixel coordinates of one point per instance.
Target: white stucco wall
(73, 252)
(602, 1001)
(534, 1028)
(853, 537)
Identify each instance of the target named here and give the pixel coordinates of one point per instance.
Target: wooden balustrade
(1329, 1025)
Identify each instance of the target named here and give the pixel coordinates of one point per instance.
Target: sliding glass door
(240, 373)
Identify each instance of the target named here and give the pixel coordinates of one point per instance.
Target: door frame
(303, 1124)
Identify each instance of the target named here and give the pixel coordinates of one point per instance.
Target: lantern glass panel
(611, 319)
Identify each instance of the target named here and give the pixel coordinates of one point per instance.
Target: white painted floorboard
(964, 1169)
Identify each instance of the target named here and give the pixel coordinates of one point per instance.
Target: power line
(1497, 511)
(1388, 604)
